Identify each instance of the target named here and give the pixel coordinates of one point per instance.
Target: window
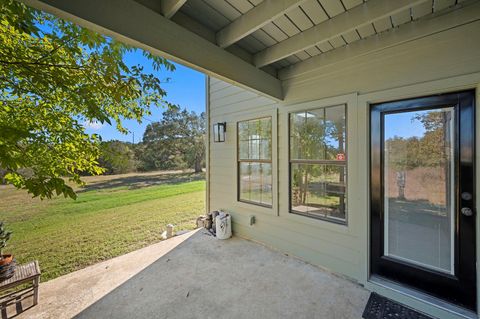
(318, 166)
(255, 161)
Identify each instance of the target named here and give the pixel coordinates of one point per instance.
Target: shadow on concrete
(140, 181)
(24, 302)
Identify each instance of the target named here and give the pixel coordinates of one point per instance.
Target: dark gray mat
(379, 307)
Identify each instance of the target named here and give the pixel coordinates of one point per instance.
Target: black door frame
(459, 288)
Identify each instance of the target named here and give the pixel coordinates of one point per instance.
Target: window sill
(325, 219)
(255, 203)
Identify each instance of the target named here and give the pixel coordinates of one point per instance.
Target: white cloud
(94, 125)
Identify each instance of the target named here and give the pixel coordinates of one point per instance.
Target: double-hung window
(318, 163)
(255, 161)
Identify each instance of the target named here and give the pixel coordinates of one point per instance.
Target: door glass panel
(419, 187)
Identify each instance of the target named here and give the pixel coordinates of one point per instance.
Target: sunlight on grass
(66, 235)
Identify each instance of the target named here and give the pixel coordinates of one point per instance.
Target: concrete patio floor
(197, 276)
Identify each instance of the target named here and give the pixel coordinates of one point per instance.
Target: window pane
(265, 149)
(266, 183)
(318, 190)
(243, 131)
(318, 134)
(335, 131)
(244, 182)
(254, 149)
(243, 149)
(255, 139)
(419, 188)
(256, 183)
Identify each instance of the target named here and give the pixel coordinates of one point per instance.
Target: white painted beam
(468, 13)
(357, 17)
(170, 7)
(254, 19)
(139, 26)
(167, 8)
(196, 27)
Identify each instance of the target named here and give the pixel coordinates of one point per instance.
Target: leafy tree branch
(54, 76)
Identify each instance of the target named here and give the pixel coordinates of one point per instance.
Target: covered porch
(275, 61)
(195, 275)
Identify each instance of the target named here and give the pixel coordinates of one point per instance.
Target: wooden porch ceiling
(259, 43)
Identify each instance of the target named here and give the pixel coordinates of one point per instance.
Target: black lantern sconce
(219, 130)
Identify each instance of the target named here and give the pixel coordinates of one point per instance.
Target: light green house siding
(442, 62)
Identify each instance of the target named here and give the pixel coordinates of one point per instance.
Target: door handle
(466, 196)
(466, 211)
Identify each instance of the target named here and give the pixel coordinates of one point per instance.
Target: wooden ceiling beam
(468, 13)
(254, 19)
(167, 8)
(170, 7)
(133, 23)
(350, 20)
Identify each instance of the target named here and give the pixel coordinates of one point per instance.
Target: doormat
(379, 307)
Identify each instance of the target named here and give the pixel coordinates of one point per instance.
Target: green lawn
(111, 217)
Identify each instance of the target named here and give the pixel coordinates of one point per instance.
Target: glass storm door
(422, 195)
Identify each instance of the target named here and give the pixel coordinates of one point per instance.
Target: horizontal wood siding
(442, 55)
(342, 249)
(334, 247)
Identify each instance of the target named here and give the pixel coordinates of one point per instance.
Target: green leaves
(4, 237)
(428, 150)
(117, 157)
(177, 141)
(54, 76)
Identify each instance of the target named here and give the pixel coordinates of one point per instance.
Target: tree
(432, 149)
(429, 150)
(195, 147)
(117, 157)
(177, 141)
(54, 76)
(314, 137)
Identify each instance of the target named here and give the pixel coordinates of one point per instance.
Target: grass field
(112, 215)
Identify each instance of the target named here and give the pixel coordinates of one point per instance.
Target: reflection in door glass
(418, 187)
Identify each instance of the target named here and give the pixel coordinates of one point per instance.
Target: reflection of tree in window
(419, 194)
(317, 163)
(254, 161)
(420, 163)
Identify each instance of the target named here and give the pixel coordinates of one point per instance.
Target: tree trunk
(198, 165)
(305, 188)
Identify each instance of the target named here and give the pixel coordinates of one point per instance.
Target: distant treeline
(175, 142)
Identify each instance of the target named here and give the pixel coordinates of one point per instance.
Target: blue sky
(403, 125)
(186, 88)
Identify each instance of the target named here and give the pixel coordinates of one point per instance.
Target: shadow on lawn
(141, 181)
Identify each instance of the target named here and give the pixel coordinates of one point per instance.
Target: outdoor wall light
(219, 130)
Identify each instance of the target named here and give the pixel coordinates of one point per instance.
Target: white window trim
(257, 208)
(346, 151)
(352, 219)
